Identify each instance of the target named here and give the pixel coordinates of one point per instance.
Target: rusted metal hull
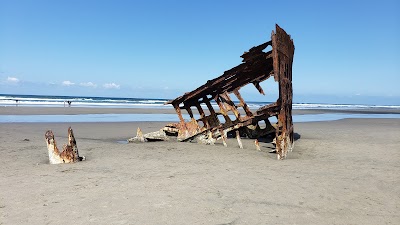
(257, 66)
(283, 51)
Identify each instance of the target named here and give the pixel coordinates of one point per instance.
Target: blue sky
(346, 51)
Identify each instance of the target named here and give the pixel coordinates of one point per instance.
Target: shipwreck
(218, 115)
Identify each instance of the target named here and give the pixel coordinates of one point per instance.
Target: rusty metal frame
(257, 66)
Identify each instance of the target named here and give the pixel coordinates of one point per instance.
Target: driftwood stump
(152, 136)
(70, 152)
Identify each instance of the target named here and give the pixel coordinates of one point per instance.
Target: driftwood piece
(139, 136)
(70, 153)
(152, 136)
(206, 139)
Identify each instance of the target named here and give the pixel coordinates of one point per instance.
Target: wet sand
(32, 110)
(340, 172)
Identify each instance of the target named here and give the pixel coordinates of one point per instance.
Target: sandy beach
(340, 172)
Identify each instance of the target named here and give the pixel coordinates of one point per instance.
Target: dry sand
(340, 172)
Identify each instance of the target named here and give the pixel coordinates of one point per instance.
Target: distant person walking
(69, 103)
(16, 102)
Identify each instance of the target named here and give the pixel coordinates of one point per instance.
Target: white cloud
(88, 84)
(67, 83)
(12, 80)
(111, 85)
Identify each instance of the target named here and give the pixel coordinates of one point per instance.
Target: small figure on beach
(69, 103)
(16, 102)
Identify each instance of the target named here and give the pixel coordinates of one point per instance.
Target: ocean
(113, 102)
(78, 101)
